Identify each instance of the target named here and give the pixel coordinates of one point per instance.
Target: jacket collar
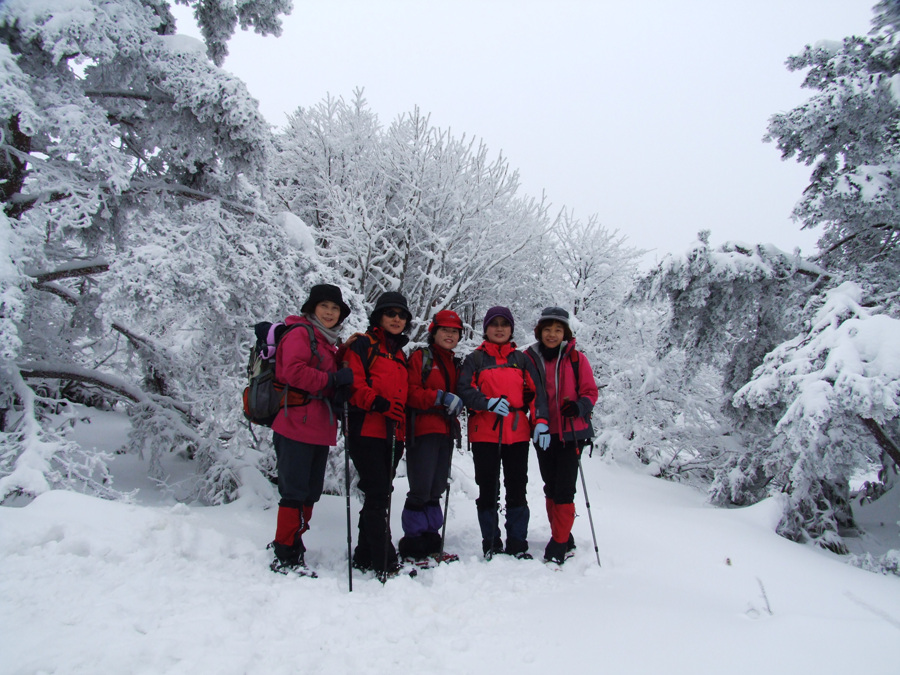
(390, 343)
(493, 349)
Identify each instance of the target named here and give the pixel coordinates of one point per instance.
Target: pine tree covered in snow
(847, 132)
(139, 240)
(808, 348)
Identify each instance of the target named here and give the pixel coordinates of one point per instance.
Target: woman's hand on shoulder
(350, 340)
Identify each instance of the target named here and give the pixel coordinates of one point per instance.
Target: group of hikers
(543, 395)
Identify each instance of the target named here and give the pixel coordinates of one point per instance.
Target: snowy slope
(88, 586)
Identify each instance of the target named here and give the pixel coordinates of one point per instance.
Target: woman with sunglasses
(377, 426)
(433, 408)
(506, 410)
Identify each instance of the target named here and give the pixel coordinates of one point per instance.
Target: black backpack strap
(367, 351)
(427, 363)
(574, 360)
(313, 343)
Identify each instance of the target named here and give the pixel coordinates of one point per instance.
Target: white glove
(541, 436)
(499, 405)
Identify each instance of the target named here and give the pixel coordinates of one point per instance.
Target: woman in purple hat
(506, 411)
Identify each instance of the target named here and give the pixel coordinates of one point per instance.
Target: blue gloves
(541, 436)
(450, 401)
(499, 405)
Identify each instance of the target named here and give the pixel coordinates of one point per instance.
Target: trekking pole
(449, 474)
(446, 503)
(587, 501)
(447, 496)
(490, 555)
(347, 490)
(387, 521)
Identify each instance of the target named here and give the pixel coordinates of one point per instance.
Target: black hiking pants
(372, 459)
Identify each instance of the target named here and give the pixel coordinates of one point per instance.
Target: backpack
(264, 396)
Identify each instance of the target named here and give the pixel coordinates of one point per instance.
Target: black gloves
(392, 410)
(570, 409)
(380, 405)
(340, 378)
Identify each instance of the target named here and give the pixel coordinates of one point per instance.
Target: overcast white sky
(649, 114)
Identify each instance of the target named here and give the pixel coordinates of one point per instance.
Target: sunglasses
(394, 313)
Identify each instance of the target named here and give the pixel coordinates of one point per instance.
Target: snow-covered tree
(839, 380)
(807, 347)
(139, 242)
(848, 132)
(408, 208)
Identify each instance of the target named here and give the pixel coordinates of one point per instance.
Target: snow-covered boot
(414, 547)
(489, 522)
(433, 543)
(287, 559)
(555, 552)
(373, 520)
(517, 531)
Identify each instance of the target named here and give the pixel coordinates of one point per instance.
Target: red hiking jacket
(430, 418)
(297, 367)
(378, 370)
(500, 370)
(558, 379)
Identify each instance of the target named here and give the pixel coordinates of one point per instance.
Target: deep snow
(155, 586)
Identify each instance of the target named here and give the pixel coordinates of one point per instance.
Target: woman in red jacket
(566, 376)
(377, 426)
(302, 434)
(496, 383)
(432, 412)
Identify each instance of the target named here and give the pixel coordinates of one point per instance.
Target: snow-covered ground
(90, 586)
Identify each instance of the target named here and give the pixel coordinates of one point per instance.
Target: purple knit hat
(494, 312)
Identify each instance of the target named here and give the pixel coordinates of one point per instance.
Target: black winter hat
(322, 293)
(387, 301)
(549, 315)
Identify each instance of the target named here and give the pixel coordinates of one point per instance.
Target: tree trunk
(884, 441)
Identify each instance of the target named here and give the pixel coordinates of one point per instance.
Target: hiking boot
(394, 570)
(287, 556)
(555, 552)
(414, 547)
(491, 548)
(570, 545)
(517, 547)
